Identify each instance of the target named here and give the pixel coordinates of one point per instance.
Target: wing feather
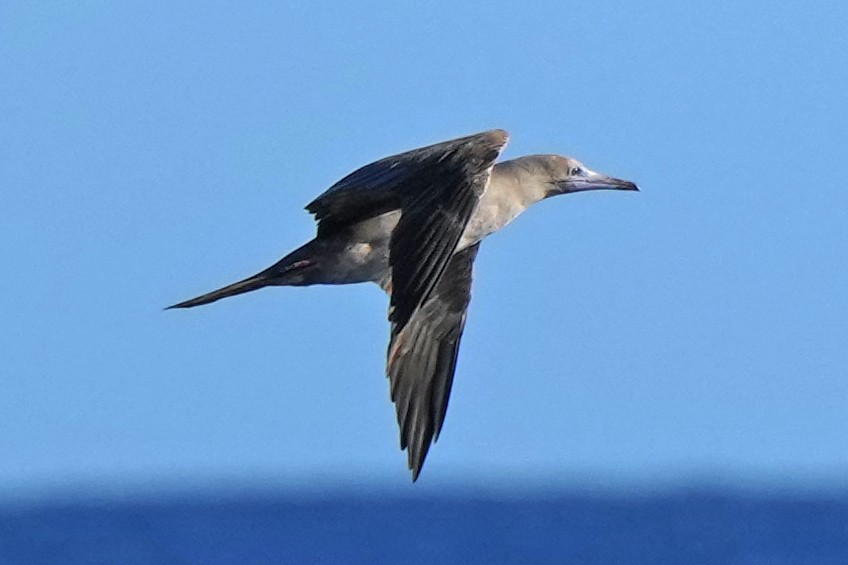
(381, 182)
(422, 359)
(434, 216)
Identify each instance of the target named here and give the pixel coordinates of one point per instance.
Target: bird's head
(566, 175)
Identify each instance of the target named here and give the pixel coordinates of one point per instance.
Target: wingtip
(416, 470)
(416, 458)
(499, 136)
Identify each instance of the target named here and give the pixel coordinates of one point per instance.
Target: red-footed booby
(413, 224)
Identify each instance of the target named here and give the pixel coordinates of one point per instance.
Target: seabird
(413, 224)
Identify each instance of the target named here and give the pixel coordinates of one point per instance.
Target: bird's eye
(576, 171)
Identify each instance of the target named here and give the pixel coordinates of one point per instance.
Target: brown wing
(437, 189)
(394, 181)
(422, 359)
(434, 215)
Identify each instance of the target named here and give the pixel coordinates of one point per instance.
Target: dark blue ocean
(703, 526)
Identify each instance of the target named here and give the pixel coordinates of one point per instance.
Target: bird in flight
(413, 223)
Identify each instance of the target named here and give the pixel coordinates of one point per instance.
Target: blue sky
(153, 151)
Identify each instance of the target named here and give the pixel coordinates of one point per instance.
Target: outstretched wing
(392, 182)
(437, 189)
(436, 207)
(422, 359)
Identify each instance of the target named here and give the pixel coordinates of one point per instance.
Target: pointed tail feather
(290, 270)
(251, 283)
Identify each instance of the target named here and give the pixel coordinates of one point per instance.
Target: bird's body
(412, 223)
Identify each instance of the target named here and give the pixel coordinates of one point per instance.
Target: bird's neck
(512, 182)
(510, 191)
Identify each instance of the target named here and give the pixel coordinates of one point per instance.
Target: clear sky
(153, 151)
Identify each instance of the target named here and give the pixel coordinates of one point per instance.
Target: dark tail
(285, 271)
(251, 283)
